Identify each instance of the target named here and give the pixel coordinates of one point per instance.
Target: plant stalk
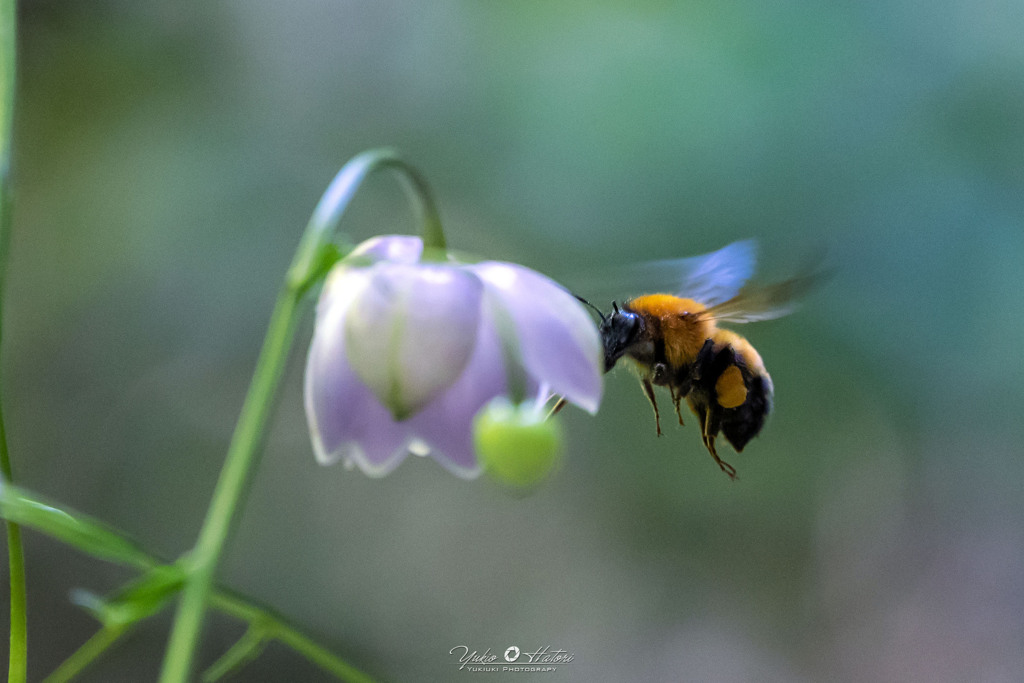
(17, 669)
(309, 266)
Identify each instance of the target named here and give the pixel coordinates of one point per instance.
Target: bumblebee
(675, 341)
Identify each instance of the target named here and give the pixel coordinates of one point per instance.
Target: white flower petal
(405, 354)
(558, 341)
(411, 331)
(446, 424)
(346, 421)
(392, 248)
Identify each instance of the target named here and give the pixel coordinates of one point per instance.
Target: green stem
(18, 662)
(274, 627)
(17, 669)
(100, 642)
(246, 649)
(308, 267)
(105, 543)
(321, 656)
(234, 480)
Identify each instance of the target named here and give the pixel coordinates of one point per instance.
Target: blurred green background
(169, 154)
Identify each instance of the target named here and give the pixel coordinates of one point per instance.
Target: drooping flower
(405, 352)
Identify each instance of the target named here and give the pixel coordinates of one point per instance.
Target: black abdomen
(740, 423)
(744, 422)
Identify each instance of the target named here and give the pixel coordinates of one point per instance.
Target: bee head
(619, 330)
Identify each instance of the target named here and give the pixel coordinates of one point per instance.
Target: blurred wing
(710, 278)
(764, 302)
(717, 277)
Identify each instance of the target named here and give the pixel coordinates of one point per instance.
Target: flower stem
(309, 266)
(306, 266)
(100, 642)
(18, 662)
(202, 562)
(267, 626)
(102, 542)
(17, 669)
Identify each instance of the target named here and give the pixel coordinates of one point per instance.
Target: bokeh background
(169, 154)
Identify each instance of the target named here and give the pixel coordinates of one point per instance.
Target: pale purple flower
(405, 352)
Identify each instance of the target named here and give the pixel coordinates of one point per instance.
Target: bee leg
(676, 399)
(709, 443)
(649, 391)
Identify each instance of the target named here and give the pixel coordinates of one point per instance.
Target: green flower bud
(516, 444)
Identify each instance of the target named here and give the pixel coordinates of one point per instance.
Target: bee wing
(766, 302)
(716, 277)
(712, 279)
(709, 278)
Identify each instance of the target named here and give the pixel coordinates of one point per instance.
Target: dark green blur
(168, 156)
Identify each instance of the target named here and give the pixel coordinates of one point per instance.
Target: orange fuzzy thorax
(682, 329)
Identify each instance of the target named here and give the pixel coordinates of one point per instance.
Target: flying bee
(675, 341)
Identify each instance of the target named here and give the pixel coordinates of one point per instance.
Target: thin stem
(335, 200)
(307, 268)
(234, 479)
(17, 670)
(274, 627)
(100, 642)
(246, 649)
(106, 543)
(18, 662)
(321, 656)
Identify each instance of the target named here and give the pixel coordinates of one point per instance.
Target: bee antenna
(615, 307)
(595, 308)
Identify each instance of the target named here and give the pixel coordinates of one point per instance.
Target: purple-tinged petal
(392, 248)
(445, 425)
(389, 248)
(558, 341)
(411, 330)
(346, 421)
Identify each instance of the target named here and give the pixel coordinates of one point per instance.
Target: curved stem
(307, 268)
(18, 662)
